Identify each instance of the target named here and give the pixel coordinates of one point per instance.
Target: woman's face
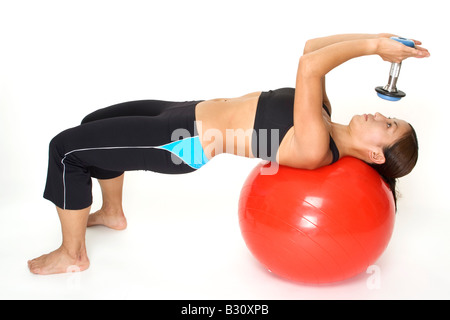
(377, 130)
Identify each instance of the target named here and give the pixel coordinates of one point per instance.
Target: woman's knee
(89, 118)
(56, 145)
(100, 114)
(62, 142)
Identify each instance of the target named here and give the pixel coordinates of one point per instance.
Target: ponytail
(401, 158)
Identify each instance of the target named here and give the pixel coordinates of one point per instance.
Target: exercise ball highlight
(317, 226)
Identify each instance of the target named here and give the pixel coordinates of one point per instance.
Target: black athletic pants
(112, 140)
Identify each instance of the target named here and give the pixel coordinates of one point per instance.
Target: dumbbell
(390, 92)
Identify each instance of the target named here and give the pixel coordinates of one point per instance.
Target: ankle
(111, 207)
(74, 251)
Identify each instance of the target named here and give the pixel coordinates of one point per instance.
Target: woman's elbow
(309, 46)
(306, 66)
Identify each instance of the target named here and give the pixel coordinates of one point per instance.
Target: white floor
(175, 248)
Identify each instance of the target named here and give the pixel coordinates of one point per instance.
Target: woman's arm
(311, 137)
(310, 134)
(318, 43)
(328, 57)
(321, 61)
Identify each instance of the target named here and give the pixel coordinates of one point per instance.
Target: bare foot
(59, 261)
(111, 218)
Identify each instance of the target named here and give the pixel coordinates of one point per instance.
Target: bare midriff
(222, 124)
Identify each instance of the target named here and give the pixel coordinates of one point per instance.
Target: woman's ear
(377, 156)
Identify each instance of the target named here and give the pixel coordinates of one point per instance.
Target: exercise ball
(316, 226)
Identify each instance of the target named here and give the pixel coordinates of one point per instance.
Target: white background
(60, 60)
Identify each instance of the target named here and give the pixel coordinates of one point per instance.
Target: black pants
(123, 137)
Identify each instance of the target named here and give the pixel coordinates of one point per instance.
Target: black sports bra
(275, 110)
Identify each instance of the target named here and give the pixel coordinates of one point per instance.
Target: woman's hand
(394, 51)
(390, 35)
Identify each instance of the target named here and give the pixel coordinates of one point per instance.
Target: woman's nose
(379, 116)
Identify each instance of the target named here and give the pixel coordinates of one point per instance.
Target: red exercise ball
(317, 226)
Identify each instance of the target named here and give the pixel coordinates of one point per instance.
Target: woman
(290, 126)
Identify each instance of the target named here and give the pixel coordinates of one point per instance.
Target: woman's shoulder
(310, 153)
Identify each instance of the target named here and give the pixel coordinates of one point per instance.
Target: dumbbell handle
(395, 67)
(393, 77)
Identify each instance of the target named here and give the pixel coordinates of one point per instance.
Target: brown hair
(401, 157)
